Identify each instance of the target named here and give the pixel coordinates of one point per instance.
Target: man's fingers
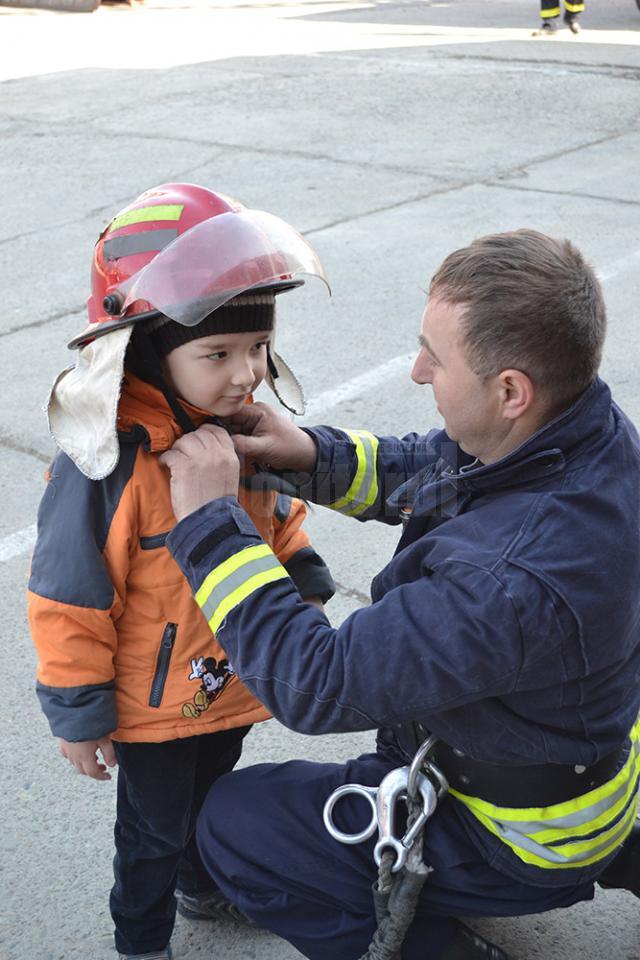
(206, 437)
(247, 419)
(170, 458)
(208, 430)
(248, 446)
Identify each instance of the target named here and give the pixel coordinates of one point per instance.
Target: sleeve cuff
(214, 529)
(310, 574)
(79, 713)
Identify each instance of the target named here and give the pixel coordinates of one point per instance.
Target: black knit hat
(243, 314)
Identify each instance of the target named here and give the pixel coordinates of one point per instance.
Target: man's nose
(422, 368)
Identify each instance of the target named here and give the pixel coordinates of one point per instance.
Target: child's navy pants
(262, 838)
(161, 787)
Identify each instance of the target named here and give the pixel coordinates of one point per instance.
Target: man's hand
(83, 757)
(262, 434)
(203, 466)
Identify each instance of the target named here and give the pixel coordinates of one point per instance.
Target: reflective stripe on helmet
(145, 241)
(161, 211)
(363, 492)
(575, 833)
(236, 579)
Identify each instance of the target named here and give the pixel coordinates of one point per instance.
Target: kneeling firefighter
(500, 658)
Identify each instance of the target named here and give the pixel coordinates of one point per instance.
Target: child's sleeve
(74, 598)
(291, 545)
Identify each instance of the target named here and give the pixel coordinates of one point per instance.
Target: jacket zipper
(162, 664)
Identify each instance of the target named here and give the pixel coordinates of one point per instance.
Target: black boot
(548, 28)
(623, 873)
(571, 20)
(469, 945)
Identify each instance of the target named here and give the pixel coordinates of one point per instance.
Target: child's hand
(83, 756)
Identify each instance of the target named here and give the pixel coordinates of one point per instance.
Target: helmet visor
(219, 259)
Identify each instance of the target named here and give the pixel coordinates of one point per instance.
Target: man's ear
(517, 394)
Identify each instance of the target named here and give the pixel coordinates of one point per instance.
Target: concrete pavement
(389, 133)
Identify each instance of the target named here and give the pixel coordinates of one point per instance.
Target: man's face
(217, 373)
(469, 406)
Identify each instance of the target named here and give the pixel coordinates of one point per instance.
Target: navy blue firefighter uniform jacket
(508, 620)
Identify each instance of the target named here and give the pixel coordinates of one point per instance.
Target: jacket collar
(142, 404)
(545, 454)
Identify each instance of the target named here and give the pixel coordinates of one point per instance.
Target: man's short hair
(533, 304)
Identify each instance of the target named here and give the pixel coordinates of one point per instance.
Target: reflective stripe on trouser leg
(363, 492)
(236, 579)
(575, 833)
(549, 9)
(573, 7)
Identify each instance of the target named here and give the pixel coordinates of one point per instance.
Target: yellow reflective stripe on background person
(575, 833)
(237, 578)
(363, 491)
(574, 7)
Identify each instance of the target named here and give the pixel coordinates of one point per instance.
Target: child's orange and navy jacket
(123, 647)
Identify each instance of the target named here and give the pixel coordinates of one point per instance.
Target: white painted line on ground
(18, 543)
(619, 266)
(359, 385)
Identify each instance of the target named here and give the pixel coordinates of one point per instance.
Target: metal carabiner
(369, 794)
(392, 789)
(408, 784)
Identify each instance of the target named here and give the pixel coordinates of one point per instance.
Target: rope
(395, 896)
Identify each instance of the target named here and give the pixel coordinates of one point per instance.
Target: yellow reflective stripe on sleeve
(363, 491)
(575, 833)
(242, 592)
(235, 579)
(228, 566)
(167, 211)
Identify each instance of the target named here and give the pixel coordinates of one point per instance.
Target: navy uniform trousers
(262, 839)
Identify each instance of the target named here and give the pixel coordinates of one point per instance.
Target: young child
(181, 332)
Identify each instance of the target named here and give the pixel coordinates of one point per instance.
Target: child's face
(218, 372)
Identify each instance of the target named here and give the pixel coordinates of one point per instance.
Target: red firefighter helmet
(183, 251)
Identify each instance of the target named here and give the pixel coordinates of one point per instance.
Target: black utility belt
(539, 785)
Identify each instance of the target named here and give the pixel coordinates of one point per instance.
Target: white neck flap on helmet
(82, 407)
